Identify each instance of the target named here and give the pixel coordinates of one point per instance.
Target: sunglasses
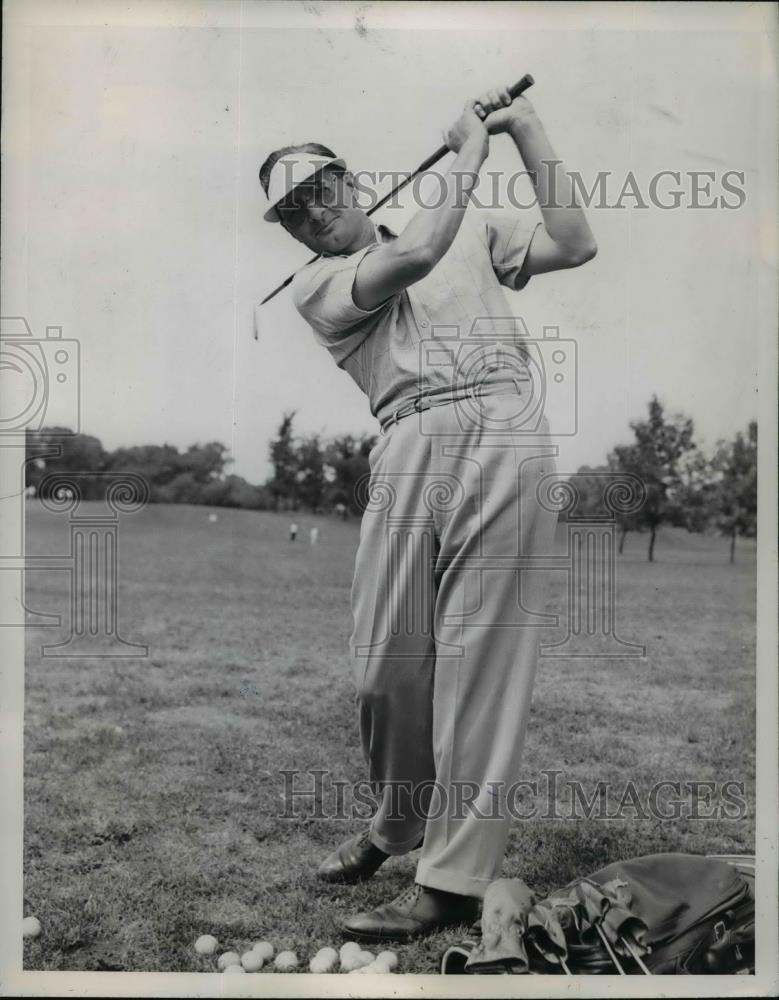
(293, 211)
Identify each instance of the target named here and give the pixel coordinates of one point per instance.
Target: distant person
(444, 695)
(293, 532)
(313, 536)
(340, 509)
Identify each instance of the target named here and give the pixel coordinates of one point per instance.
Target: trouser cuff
(395, 847)
(451, 881)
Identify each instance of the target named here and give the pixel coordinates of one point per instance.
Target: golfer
(443, 652)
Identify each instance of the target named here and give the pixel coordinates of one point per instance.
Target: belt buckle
(423, 403)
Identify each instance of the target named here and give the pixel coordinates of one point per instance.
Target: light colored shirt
(446, 330)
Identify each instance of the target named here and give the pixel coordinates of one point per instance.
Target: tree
(346, 458)
(283, 484)
(206, 462)
(694, 495)
(58, 450)
(734, 490)
(311, 472)
(656, 457)
(158, 464)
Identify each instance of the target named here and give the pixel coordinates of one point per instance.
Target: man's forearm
(565, 221)
(431, 231)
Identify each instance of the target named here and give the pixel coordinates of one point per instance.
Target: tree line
(309, 473)
(684, 487)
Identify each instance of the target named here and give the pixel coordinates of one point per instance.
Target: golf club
(518, 88)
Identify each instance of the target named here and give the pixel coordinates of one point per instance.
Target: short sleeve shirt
(443, 331)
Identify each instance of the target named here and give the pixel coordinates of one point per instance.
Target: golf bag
(663, 914)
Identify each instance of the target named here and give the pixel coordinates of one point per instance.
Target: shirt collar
(383, 233)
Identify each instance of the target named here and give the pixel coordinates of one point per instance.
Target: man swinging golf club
(443, 664)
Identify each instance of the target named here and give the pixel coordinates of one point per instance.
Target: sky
(132, 138)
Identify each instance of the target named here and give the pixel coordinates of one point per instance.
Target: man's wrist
(476, 146)
(524, 123)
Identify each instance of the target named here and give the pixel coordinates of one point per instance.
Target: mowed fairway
(154, 806)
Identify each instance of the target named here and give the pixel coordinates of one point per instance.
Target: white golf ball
(286, 961)
(252, 961)
(367, 970)
(213, 518)
(206, 944)
(232, 969)
(389, 958)
(324, 960)
(350, 948)
(228, 958)
(366, 957)
(31, 927)
(264, 949)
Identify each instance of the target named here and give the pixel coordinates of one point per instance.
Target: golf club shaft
(518, 88)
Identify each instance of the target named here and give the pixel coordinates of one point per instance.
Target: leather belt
(427, 400)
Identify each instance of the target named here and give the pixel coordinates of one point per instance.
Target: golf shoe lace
(410, 895)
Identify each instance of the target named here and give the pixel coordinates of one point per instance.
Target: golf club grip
(518, 88)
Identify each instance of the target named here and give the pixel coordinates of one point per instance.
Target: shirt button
(424, 323)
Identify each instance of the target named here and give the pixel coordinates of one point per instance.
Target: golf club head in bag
(663, 914)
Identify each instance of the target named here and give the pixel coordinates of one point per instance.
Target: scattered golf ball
(228, 958)
(352, 961)
(206, 944)
(374, 967)
(286, 961)
(350, 948)
(324, 960)
(366, 957)
(31, 927)
(350, 956)
(389, 958)
(213, 518)
(230, 969)
(252, 961)
(264, 949)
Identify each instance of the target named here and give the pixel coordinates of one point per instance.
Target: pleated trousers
(448, 608)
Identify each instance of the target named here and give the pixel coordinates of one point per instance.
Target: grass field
(154, 807)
